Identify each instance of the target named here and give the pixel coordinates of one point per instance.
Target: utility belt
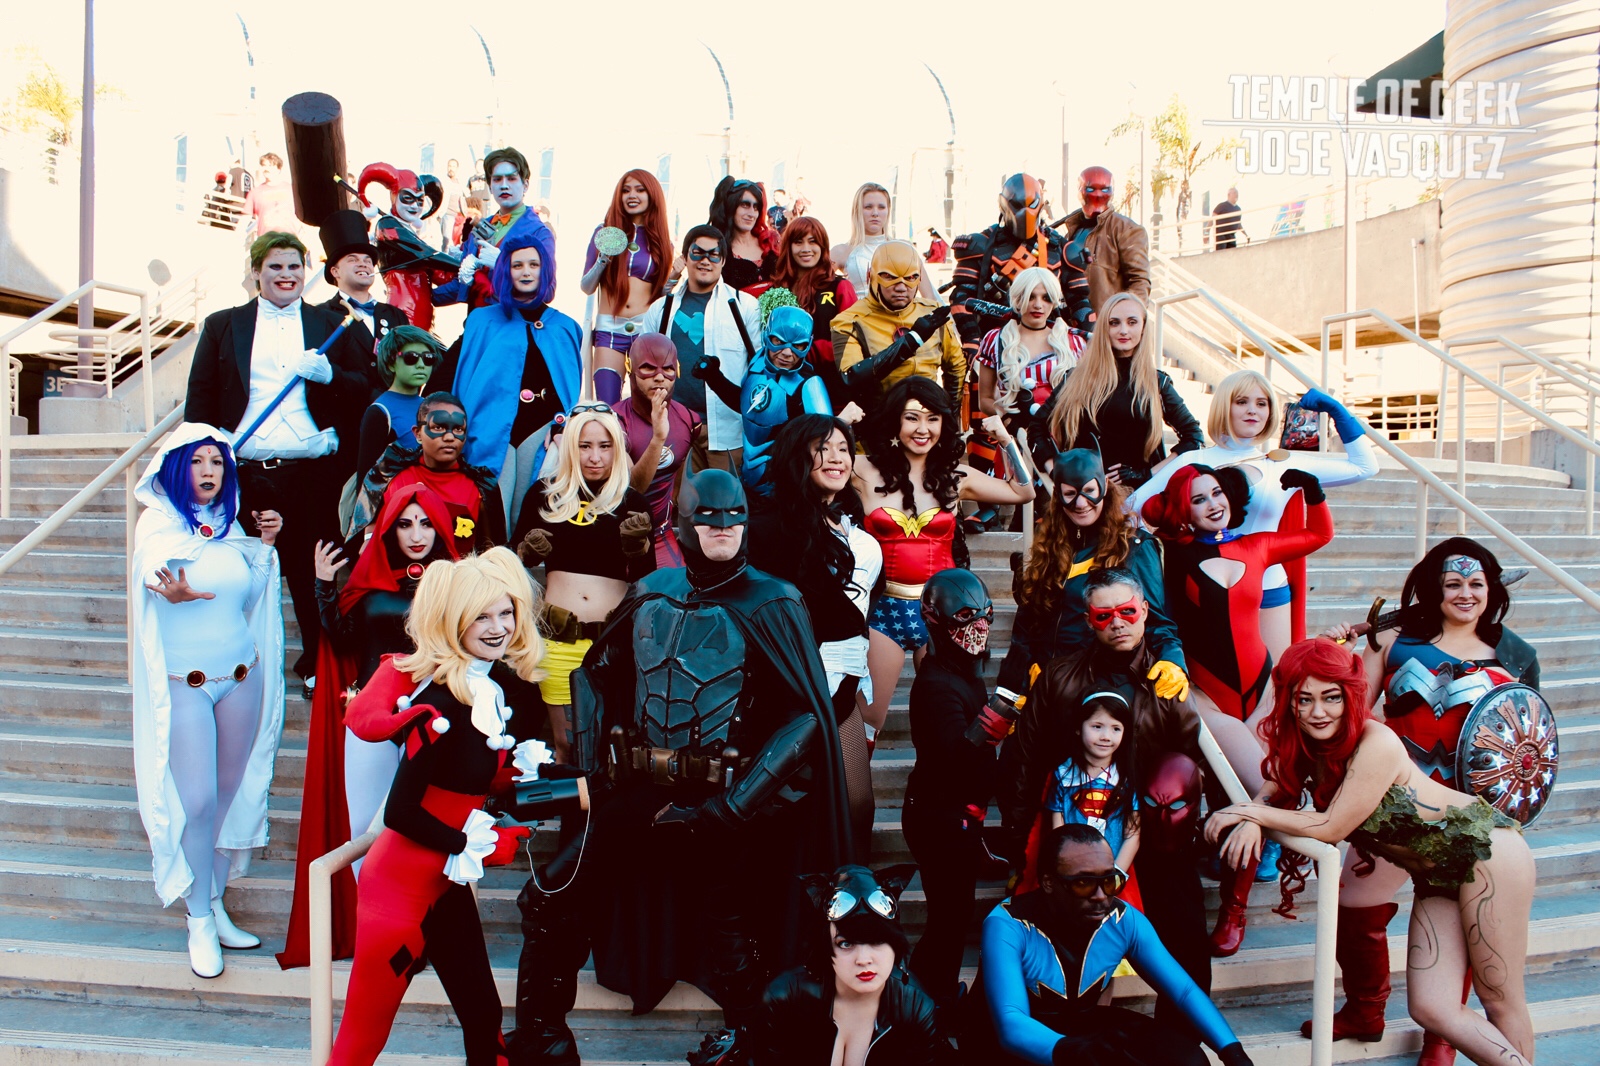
(664, 766)
(558, 623)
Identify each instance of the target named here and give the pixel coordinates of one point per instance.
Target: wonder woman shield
(1509, 751)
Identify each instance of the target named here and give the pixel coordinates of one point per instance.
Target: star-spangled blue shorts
(899, 620)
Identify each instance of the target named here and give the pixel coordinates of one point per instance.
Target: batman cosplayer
(704, 725)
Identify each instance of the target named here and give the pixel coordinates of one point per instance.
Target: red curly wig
(805, 284)
(658, 236)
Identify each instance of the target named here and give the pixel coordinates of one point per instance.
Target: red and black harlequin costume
(1220, 625)
(987, 262)
(409, 264)
(364, 622)
(410, 914)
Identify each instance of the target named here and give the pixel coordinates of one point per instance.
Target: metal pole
(1349, 342)
(5, 430)
(1499, 414)
(1588, 476)
(1438, 417)
(1461, 448)
(84, 384)
(148, 372)
(1066, 169)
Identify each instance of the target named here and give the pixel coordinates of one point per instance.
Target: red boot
(1436, 1050)
(1362, 950)
(1234, 886)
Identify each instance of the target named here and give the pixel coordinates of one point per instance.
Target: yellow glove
(1171, 682)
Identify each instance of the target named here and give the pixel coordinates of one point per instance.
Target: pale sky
(836, 93)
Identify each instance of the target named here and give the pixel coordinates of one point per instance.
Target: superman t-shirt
(1084, 798)
(688, 333)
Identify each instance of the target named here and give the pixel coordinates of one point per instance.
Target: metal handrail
(44, 530)
(321, 907)
(1329, 862)
(1426, 479)
(1463, 372)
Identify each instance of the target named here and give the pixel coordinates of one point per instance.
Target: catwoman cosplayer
(703, 721)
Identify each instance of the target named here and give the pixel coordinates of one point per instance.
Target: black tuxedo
(384, 316)
(304, 491)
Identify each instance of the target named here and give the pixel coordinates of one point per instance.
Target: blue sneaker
(1268, 870)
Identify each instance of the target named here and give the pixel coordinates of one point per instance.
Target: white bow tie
(273, 311)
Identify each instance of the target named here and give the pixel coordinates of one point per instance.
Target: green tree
(1179, 155)
(44, 102)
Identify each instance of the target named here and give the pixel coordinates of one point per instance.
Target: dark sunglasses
(1111, 884)
(412, 358)
(710, 255)
(444, 425)
(843, 903)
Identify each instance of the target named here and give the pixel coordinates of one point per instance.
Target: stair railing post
(131, 509)
(1588, 477)
(1461, 449)
(1500, 415)
(144, 360)
(1438, 415)
(5, 431)
(1420, 548)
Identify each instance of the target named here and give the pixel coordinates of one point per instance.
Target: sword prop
(296, 380)
(1379, 620)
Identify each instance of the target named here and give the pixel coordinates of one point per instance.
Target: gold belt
(902, 592)
(668, 767)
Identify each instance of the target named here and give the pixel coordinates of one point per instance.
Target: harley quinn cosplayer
(346, 777)
(1245, 412)
(448, 704)
(206, 640)
(1215, 576)
(628, 284)
(1450, 649)
(410, 266)
(1471, 870)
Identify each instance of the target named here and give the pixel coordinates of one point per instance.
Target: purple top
(640, 265)
(674, 451)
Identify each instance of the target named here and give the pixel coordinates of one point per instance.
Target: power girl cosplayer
(406, 358)
(449, 704)
(739, 209)
(696, 712)
(519, 365)
(347, 778)
(1048, 957)
(869, 229)
(1116, 400)
(1471, 870)
(1243, 423)
(1451, 648)
(854, 1000)
(911, 481)
(779, 384)
(410, 266)
(953, 780)
(591, 532)
(629, 283)
(206, 638)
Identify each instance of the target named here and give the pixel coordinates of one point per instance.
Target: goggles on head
(1101, 617)
(844, 903)
(444, 423)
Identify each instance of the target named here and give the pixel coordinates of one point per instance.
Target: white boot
(230, 935)
(205, 952)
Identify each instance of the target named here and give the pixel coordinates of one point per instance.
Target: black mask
(1080, 470)
(957, 609)
(712, 498)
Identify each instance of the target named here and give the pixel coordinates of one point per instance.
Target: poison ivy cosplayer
(206, 639)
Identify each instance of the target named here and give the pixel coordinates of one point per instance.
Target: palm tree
(1179, 157)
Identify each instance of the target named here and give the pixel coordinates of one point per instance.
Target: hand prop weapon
(422, 253)
(296, 380)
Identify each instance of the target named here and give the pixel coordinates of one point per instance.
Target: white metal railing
(1463, 374)
(321, 910)
(1426, 479)
(1311, 212)
(1329, 862)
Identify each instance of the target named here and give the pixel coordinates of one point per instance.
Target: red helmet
(1094, 189)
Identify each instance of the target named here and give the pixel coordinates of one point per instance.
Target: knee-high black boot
(554, 944)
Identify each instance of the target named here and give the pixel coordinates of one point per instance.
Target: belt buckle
(270, 464)
(663, 765)
(630, 328)
(195, 678)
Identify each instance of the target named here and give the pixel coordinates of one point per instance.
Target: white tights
(213, 729)
(369, 768)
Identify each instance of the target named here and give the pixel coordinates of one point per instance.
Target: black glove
(1234, 1055)
(930, 323)
(706, 364)
(1306, 482)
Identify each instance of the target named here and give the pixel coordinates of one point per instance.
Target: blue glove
(1344, 423)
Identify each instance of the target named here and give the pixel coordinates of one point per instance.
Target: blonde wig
(450, 597)
(1094, 380)
(858, 224)
(1013, 355)
(566, 491)
(1219, 422)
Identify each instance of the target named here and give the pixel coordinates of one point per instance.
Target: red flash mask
(1100, 617)
(1170, 808)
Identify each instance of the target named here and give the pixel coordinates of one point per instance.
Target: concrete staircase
(96, 972)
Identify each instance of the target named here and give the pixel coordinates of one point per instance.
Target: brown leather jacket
(1119, 256)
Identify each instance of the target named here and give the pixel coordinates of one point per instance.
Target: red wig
(806, 285)
(1167, 512)
(658, 237)
(1294, 762)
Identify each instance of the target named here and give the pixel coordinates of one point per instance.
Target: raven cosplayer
(703, 721)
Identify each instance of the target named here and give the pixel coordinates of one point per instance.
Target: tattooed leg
(1436, 961)
(1494, 922)
(1373, 889)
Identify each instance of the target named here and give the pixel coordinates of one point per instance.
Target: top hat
(342, 233)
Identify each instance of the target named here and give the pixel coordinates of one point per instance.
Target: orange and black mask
(1021, 200)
